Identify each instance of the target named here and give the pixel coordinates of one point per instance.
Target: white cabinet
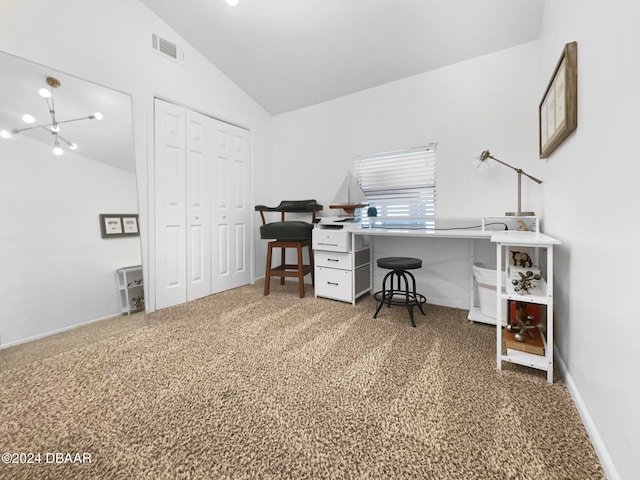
(540, 293)
(342, 268)
(130, 289)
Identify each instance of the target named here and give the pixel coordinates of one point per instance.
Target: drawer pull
(328, 244)
(333, 283)
(333, 260)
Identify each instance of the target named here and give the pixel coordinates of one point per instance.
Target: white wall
(591, 204)
(108, 42)
(488, 102)
(57, 271)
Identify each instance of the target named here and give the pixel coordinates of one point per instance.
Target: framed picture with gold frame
(558, 110)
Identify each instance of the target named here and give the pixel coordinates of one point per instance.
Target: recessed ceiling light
(232, 3)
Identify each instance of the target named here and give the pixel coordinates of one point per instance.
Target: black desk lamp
(486, 155)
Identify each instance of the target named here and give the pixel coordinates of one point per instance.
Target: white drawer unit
(333, 259)
(332, 240)
(342, 268)
(333, 283)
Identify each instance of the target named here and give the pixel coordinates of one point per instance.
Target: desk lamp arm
(486, 155)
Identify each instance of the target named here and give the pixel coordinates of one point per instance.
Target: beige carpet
(241, 386)
(46, 347)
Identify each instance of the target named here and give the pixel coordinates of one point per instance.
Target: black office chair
(288, 234)
(407, 296)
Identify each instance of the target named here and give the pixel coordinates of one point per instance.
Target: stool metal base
(399, 297)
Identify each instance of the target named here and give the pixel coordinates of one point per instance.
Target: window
(401, 185)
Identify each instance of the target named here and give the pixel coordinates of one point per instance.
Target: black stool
(399, 267)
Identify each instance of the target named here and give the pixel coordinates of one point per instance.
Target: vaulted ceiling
(288, 54)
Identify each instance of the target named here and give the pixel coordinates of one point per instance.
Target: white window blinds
(400, 184)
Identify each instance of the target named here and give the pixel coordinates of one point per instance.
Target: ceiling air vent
(164, 46)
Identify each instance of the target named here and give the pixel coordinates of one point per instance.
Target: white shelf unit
(342, 268)
(487, 225)
(130, 289)
(541, 294)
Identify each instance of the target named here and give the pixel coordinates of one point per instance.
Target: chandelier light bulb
(52, 126)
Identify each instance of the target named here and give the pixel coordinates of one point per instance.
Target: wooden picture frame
(558, 109)
(114, 225)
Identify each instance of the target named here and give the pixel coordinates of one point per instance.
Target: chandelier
(52, 127)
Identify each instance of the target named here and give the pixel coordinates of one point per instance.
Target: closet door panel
(173, 248)
(170, 258)
(240, 236)
(222, 271)
(222, 179)
(200, 151)
(231, 212)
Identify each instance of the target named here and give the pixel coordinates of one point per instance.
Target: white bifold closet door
(202, 179)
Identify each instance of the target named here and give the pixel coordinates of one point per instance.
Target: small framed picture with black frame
(115, 225)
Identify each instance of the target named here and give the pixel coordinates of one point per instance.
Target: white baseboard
(598, 444)
(54, 332)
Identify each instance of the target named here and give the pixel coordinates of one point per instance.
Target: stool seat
(399, 263)
(399, 295)
(289, 230)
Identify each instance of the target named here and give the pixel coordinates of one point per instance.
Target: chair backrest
(290, 206)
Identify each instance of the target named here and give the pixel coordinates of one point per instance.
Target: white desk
(427, 235)
(422, 233)
(352, 239)
(451, 277)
